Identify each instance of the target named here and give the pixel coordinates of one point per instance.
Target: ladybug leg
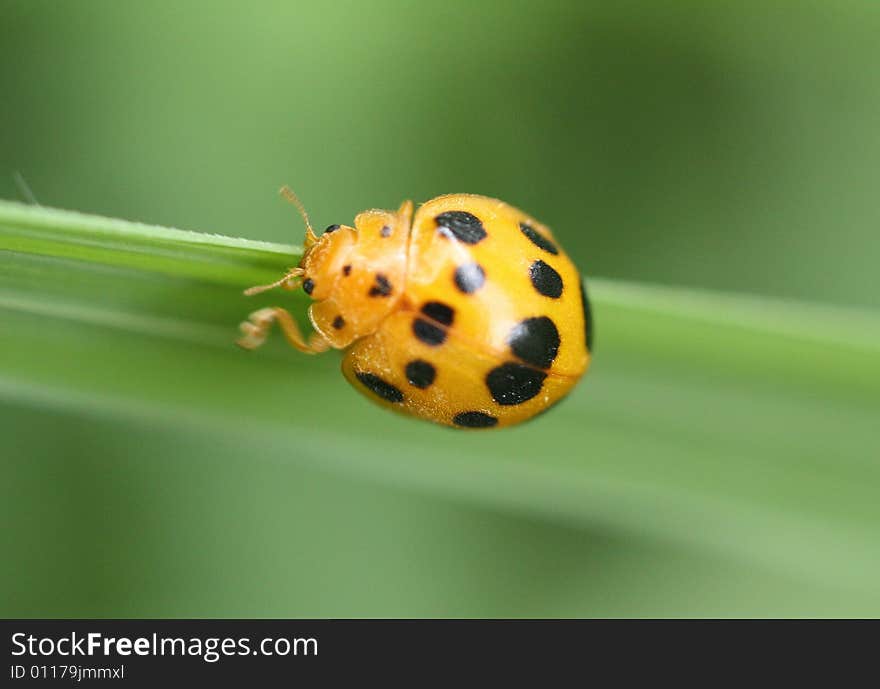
(259, 322)
(290, 281)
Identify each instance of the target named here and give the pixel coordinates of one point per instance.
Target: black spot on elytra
(588, 317)
(428, 333)
(346, 270)
(513, 383)
(538, 239)
(465, 227)
(379, 387)
(545, 279)
(331, 228)
(339, 322)
(382, 288)
(535, 341)
(439, 312)
(420, 373)
(308, 285)
(474, 419)
(385, 231)
(470, 277)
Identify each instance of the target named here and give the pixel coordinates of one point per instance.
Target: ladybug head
(323, 257)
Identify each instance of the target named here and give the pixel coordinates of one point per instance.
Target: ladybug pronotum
(468, 314)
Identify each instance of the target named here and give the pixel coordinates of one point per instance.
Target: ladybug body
(468, 314)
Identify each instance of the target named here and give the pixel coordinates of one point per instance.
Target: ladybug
(468, 314)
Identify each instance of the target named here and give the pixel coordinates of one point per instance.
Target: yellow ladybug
(468, 314)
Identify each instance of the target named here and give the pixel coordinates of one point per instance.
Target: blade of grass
(180, 253)
(35, 230)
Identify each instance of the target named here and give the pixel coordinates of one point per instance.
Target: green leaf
(178, 253)
(738, 426)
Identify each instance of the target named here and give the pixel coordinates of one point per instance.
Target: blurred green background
(731, 146)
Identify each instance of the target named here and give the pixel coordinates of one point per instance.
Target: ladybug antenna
(288, 195)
